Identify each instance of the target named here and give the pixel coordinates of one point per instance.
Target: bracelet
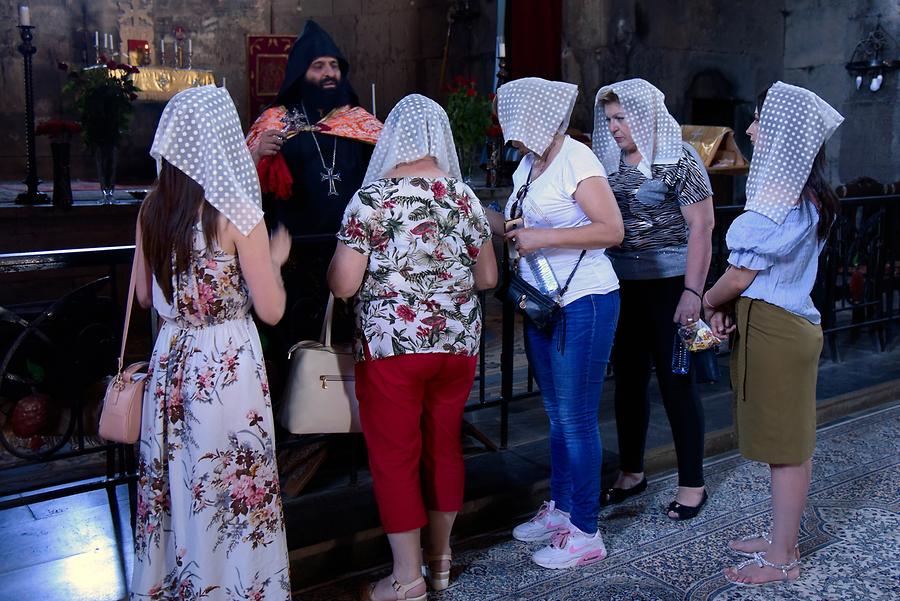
(704, 302)
(695, 293)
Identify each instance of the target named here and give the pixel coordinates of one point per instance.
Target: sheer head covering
(199, 133)
(416, 127)
(532, 110)
(793, 125)
(655, 132)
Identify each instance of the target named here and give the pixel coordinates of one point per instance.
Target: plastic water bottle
(543, 273)
(681, 356)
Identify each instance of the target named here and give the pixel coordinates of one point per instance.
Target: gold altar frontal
(161, 83)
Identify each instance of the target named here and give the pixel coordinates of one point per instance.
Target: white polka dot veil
(532, 110)
(200, 133)
(656, 133)
(793, 125)
(415, 128)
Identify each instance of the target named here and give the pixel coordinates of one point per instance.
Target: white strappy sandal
(764, 536)
(761, 561)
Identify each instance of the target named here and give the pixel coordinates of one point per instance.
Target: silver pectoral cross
(331, 176)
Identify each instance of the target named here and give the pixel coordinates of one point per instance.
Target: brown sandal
(437, 579)
(400, 590)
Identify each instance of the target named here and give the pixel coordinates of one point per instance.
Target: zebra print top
(655, 243)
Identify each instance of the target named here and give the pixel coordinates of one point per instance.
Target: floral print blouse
(422, 237)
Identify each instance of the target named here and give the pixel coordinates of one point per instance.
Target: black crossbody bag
(536, 306)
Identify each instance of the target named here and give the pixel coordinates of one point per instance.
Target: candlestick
(31, 196)
(24, 16)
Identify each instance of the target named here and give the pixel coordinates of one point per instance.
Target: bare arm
(700, 219)
(485, 270)
(143, 284)
(496, 219)
(596, 199)
(728, 287)
(261, 262)
(347, 270)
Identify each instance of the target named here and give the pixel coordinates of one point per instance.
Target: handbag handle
(131, 288)
(325, 338)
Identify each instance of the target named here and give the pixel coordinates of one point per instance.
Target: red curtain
(534, 38)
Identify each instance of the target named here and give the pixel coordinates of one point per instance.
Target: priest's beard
(324, 100)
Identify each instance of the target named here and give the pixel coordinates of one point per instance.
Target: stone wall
(820, 36)
(396, 44)
(715, 49)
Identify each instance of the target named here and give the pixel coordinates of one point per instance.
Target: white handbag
(320, 395)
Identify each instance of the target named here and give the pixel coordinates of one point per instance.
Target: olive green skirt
(774, 366)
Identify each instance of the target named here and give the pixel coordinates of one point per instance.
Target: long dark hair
(816, 185)
(168, 216)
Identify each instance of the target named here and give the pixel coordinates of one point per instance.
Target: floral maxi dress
(209, 515)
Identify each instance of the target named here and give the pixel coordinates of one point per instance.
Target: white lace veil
(532, 110)
(656, 133)
(199, 132)
(415, 128)
(793, 125)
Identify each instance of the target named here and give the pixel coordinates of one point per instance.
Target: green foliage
(470, 117)
(102, 96)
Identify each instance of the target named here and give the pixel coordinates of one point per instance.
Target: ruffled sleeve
(756, 242)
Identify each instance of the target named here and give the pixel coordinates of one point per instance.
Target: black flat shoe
(685, 512)
(614, 496)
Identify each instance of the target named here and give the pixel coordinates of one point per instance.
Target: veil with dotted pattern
(416, 127)
(199, 132)
(532, 110)
(656, 133)
(793, 125)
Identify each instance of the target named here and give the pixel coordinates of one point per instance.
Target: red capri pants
(411, 408)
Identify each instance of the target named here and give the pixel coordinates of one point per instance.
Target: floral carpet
(849, 536)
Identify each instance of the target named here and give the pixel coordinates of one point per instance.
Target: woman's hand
(688, 310)
(722, 324)
(270, 142)
(527, 240)
(280, 246)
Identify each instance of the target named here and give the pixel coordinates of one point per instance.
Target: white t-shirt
(550, 203)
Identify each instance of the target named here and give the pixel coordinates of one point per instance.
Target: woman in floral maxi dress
(209, 516)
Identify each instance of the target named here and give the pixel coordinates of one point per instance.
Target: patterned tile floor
(849, 536)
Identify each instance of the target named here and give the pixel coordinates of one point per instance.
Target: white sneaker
(570, 549)
(540, 529)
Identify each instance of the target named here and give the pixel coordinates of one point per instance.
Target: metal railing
(858, 287)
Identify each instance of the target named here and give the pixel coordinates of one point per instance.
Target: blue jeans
(570, 368)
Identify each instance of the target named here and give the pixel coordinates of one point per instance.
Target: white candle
(223, 82)
(162, 48)
(190, 47)
(502, 52)
(96, 39)
(373, 99)
(24, 16)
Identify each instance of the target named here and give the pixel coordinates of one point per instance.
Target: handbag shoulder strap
(572, 275)
(131, 287)
(325, 338)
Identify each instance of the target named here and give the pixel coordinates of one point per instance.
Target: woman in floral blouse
(414, 248)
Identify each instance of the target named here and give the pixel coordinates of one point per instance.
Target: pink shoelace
(560, 539)
(542, 512)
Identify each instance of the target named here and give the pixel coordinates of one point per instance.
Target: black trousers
(644, 337)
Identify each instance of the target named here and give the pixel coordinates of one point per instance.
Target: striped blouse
(655, 244)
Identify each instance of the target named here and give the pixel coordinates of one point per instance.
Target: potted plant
(470, 117)
(60, 132)
(103, 95)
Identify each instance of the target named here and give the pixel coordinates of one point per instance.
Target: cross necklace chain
(329, 174)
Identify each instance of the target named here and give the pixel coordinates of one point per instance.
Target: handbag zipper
(324, 380)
